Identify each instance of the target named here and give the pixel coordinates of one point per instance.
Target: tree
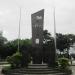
(46, 36)
(48, 48)
(64, 42)
(3, 40)
(71, 38)
(11, 47)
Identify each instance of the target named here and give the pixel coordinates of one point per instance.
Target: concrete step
(37, 66)
(36, 74)
(35, 69)
(32, 69)
(28, 71)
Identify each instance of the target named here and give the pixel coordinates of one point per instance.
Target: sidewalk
(72, 63)
(73, 70)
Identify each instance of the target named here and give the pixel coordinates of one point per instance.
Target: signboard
(37, 20)
(37, 41)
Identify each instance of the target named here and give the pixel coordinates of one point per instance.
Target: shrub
(64, 63)
(56, 64)
(19, 60)
(15, 60)
(5, 69)
(26, 59)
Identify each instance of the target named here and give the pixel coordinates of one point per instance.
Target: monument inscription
(37, 20)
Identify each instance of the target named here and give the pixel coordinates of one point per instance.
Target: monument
(37, 20)
(37, 28)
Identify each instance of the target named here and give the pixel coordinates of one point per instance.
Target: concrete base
(37, 66)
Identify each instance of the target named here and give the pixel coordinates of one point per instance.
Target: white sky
(9, 16)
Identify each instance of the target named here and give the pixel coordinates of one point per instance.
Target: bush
(64, 66)
(26, 59)
(56, 64)
(19, 60)
(63, 63)
(5, 69)
(15, 60)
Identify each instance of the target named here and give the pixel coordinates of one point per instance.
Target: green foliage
(10, 47)
(64, 66)
(15, 60)
(46, 36)
(19, 60)
(63, 42)
(63, 63)
(48, 47)
(56, 64)
(5, 69)
(3, 40)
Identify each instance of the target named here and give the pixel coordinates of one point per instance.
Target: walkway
(1, 66)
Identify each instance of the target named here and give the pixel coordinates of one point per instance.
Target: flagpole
(19, 31)
(55, 41)
(55, 33)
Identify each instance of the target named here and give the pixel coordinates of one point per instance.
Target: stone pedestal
(37, 66)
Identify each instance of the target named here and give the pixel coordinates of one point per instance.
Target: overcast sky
(9, 16)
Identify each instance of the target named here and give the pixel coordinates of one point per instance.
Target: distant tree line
(63, 43)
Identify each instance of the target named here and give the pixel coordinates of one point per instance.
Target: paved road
(1, 69)
(73, 70)
(1, 66)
